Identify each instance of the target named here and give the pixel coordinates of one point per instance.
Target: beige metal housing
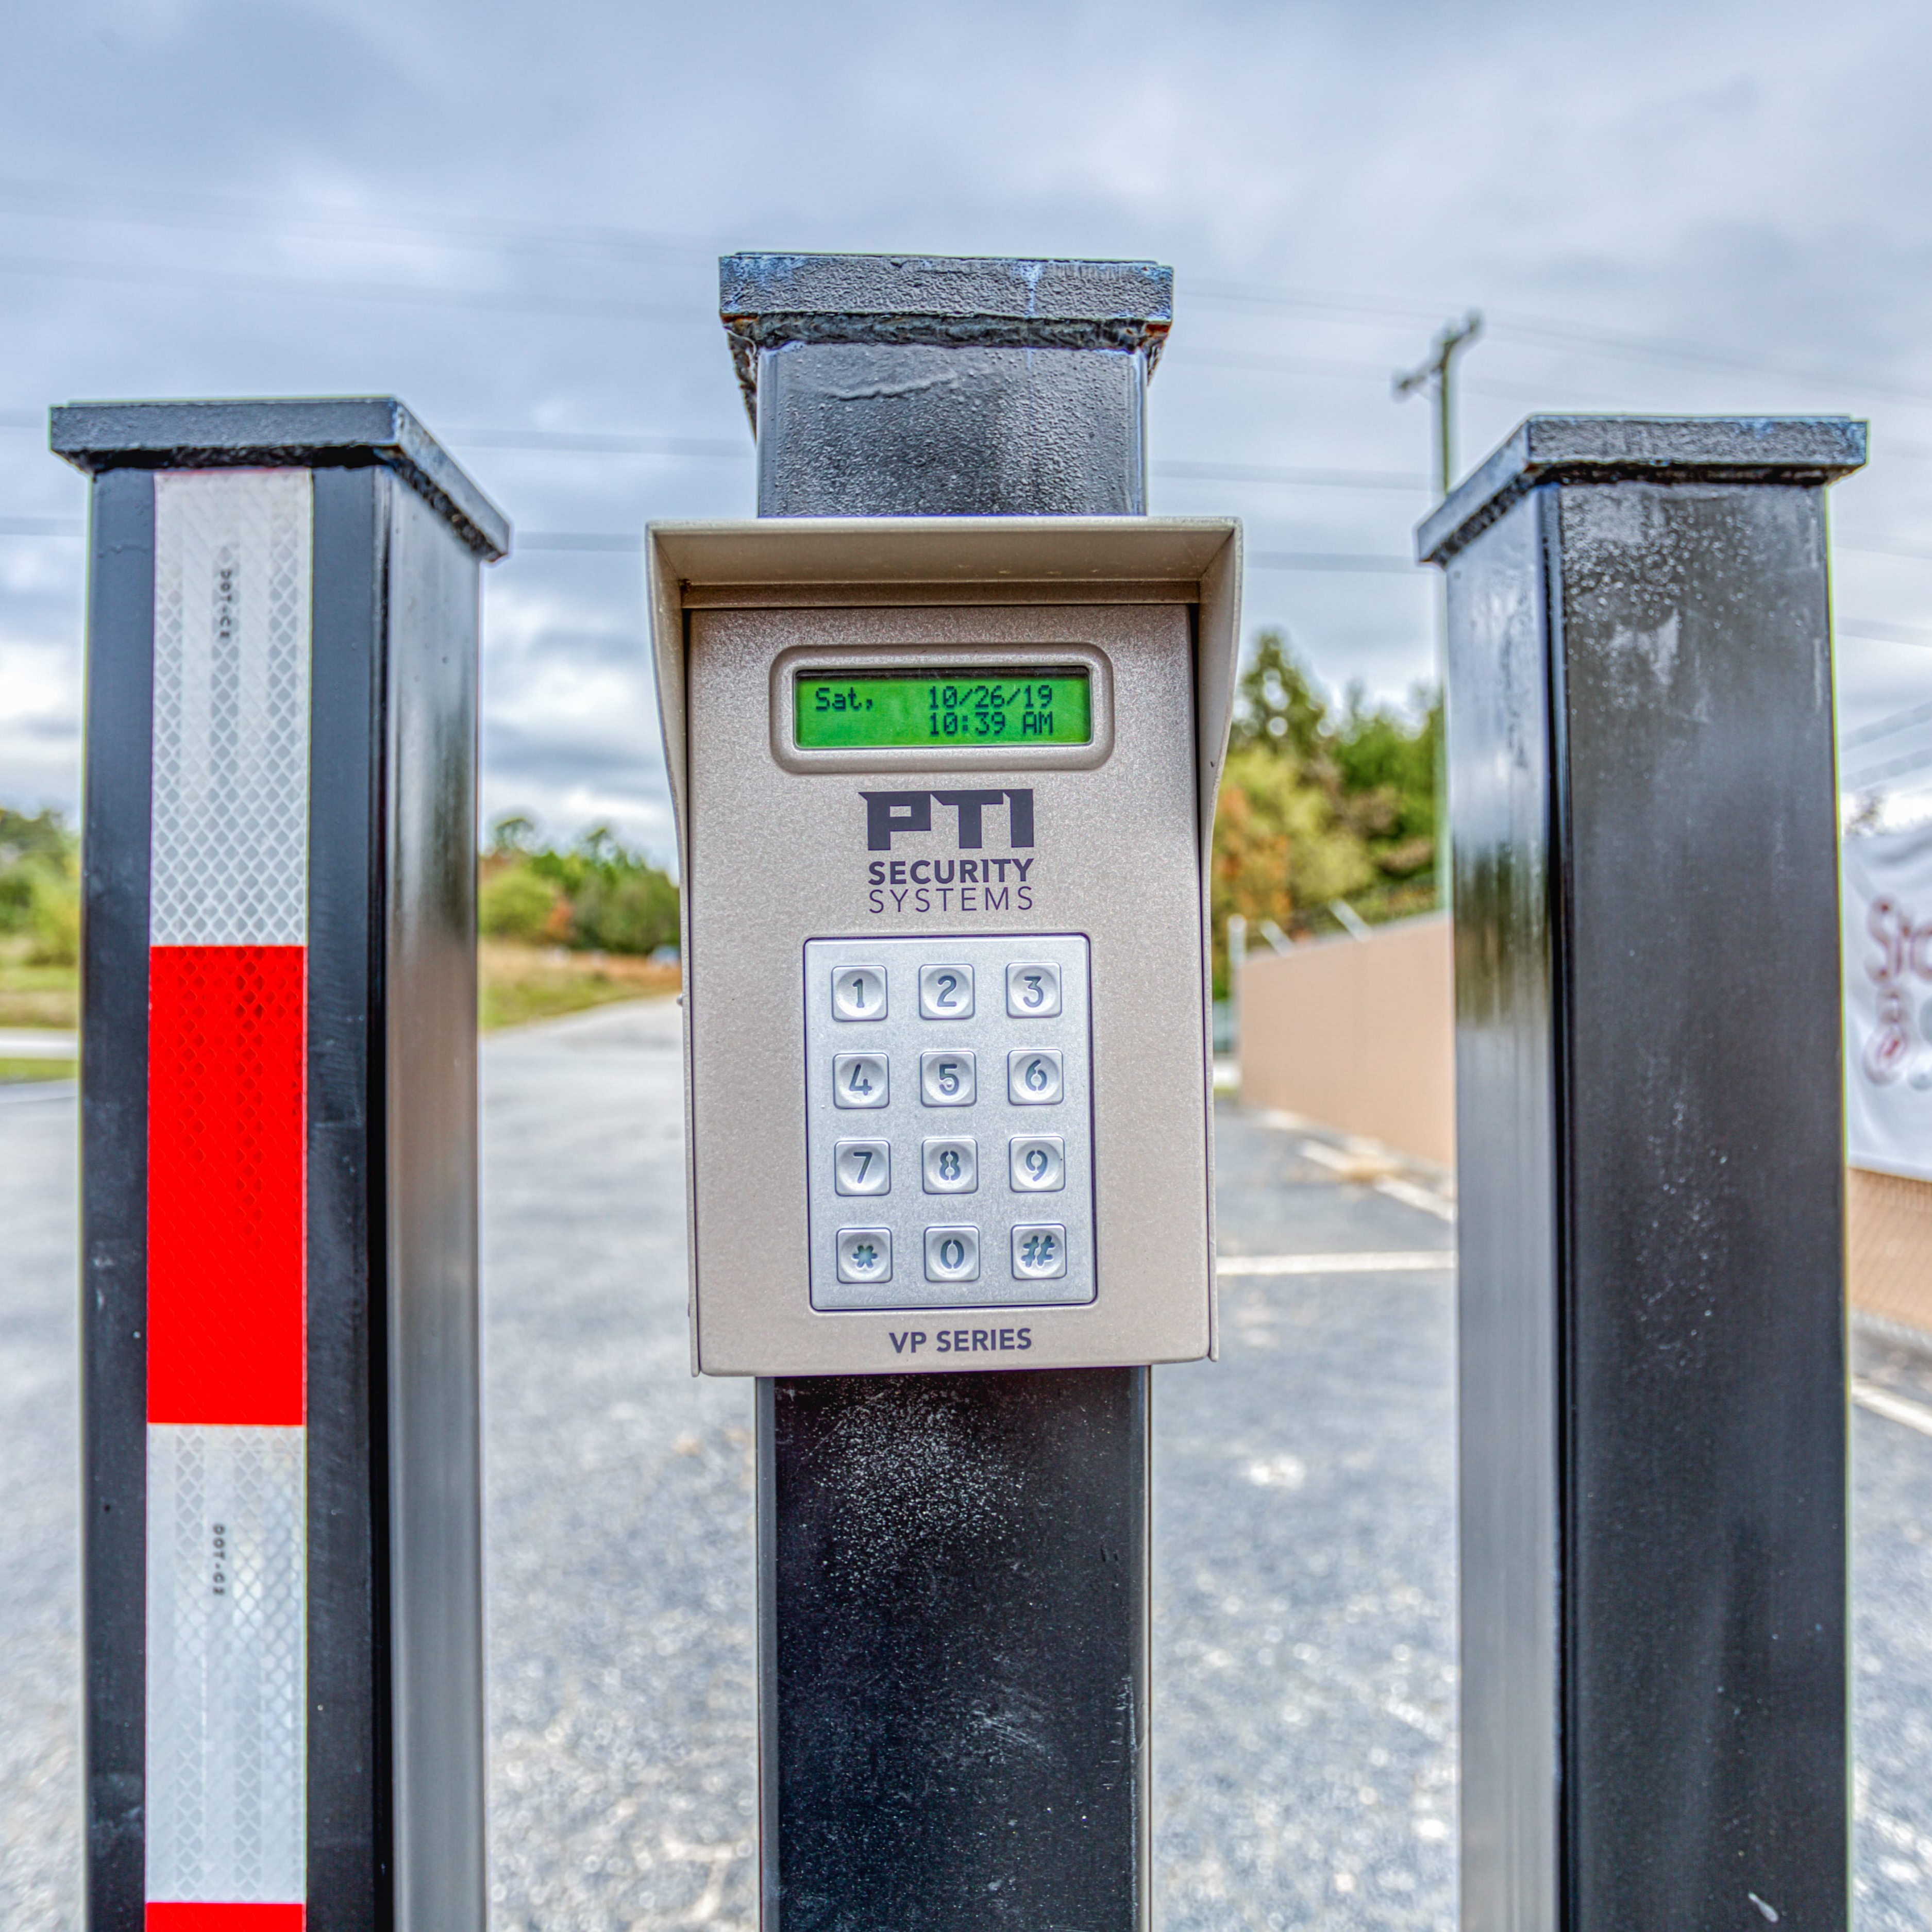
(773, 843)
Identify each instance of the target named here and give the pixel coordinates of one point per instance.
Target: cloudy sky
(511, 216)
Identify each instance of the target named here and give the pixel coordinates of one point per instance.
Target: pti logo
(888, 812)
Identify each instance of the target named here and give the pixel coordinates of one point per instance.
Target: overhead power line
(1369, 562)
(1270, 473)
(1434, 376)
(573, 443)
(1886, 726)
(1881, 633)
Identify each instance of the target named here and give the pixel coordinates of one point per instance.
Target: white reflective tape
(226, 1673)
(232, 551)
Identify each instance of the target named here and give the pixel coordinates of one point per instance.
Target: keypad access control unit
(944, 790)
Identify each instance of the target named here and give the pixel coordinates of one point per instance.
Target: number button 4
(945, 992)
(952, 1166)
(1033, 992)
(1036, 1163)
(947, 1078)
(862, 1167)
(859, 1080)
(1034, 1078)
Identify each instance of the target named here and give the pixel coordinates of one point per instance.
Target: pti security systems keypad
(949, 1122)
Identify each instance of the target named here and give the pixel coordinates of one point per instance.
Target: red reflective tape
(226, 1168)
(192, 1916)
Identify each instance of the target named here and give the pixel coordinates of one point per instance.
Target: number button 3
(947, 1077)
(862, 1167)
(1034, 1078)
(859, 1080)
(1033, 991)
(945, 992)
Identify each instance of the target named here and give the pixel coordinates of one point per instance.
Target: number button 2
(1034, 1078)
(1033, 991)
(862, 1167)
(859, 1080)
(947, 1078)
(945, 992)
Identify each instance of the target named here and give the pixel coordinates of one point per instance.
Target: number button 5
(859, 1080)
(945, 992)
(1034, 1078)
(1033, 992)
(862, 1167)
(946, 1078)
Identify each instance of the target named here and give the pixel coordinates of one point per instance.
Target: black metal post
(1641, 758)
(282, 1532)
(952, 1569)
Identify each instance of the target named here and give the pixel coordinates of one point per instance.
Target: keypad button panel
(970, 1072)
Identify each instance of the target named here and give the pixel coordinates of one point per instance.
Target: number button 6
(1034, 1078)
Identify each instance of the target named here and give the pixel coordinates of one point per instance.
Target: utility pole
(1436, 373)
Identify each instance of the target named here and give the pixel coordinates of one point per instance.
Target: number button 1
(1034, 1078)
(946, 1078)
(1033, 991)
(862, 1167)
(859, 993)
(1036, 1163)
(945, 992)
(859, 1080)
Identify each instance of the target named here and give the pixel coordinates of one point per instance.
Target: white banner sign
(1887, 916)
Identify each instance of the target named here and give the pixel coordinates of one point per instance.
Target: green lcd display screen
(887, 710)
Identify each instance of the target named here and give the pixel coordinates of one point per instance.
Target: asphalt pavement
(1304, 1635)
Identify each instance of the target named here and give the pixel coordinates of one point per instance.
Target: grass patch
(11, 1070)
(521, 983)
(36, 995)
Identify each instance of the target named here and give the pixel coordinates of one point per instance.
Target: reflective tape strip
(226, 1822)
(225, 1160)
(231, 622)
(226, 1523)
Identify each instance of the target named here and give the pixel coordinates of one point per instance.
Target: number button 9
(945, 992)
(1036, 1163)
(1033, 991)
(1034, 1078)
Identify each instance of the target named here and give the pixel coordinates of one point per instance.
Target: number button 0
(951, 1166)
(1040, 1251)
(859, 1080)
(1033, 1079)
(953, 1254)
(946, 1078)
(1035, 1162)
(865, 1254)
(945, 992)
(862, 1167)
(1033, 992)
(858, 992)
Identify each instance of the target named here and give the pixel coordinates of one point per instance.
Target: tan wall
(1360, 1033)
(1889, 1246)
